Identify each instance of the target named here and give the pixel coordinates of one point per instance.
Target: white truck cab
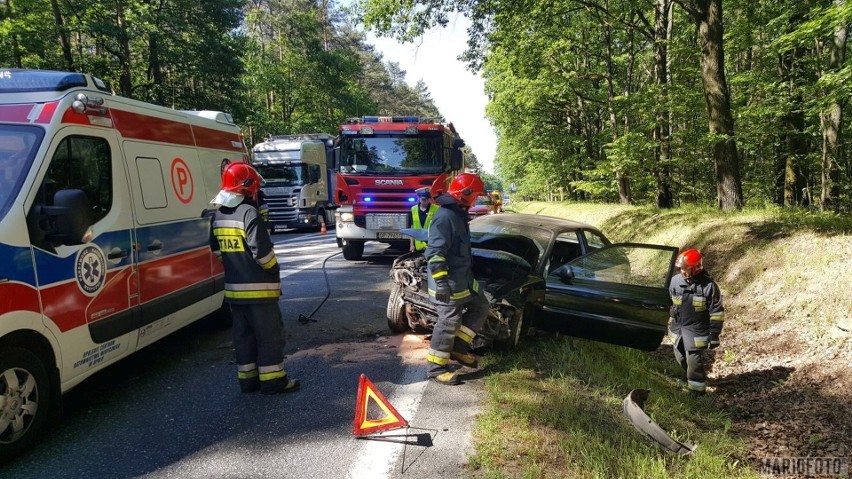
(104, 233)
(299, 174)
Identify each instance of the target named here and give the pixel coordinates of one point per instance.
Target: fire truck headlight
(349, 217)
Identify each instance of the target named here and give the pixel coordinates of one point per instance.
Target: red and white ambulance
(104, 233)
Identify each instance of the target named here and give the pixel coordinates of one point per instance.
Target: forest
(279, 67)
(665, 102)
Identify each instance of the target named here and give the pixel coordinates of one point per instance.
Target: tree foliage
(658, 101)
(279, 66)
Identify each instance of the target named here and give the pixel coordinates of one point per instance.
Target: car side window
(81, 163)
(594, 241)
(566, 247)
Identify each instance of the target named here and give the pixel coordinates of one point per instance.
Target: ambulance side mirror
(69, 218)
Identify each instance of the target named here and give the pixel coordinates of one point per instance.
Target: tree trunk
(662, 132)
(125, 80)
(707, 15)
(831, 122)
(64, 42)
(622, 180)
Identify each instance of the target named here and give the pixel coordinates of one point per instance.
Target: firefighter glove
(714, 340)
(443, 290)
(673, 311)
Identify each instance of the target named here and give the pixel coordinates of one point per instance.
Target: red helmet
(689, 262)
(242, 179)
(465, 188)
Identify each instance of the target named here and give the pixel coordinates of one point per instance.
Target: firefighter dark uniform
(252, 290)
(697, 320)
(421, 219)
(460, 304)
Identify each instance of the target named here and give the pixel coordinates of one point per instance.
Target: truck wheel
(397, 319)
(353, 250)
(25, 398)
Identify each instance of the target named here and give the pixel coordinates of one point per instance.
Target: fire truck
(382, 161)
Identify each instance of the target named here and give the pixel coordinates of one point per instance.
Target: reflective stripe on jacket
(415, 222)
(448, 252)
(240, 239)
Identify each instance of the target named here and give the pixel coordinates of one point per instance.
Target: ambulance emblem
(91, 270)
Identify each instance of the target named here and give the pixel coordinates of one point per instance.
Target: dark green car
(547, 273)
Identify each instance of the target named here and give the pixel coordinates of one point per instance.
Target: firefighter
(252, 283)
(697, 317)
(421, 216)
(460, 304)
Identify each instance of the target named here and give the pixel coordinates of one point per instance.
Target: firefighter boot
(467, 359)
(279, 385)
(249, 385)
(447, 378)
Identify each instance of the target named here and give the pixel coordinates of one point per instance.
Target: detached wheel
(353, 250)
(25, 397)
(397, 320)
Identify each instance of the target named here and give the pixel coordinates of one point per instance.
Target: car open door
(617, 294)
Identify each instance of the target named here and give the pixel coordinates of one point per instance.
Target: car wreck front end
(501, 265)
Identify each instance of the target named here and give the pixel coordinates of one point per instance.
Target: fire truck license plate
(376, 221)
(381, 235)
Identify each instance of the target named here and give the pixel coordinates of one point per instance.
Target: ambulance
(104, 233)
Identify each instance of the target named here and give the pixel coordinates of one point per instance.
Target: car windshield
(484, 200)
(18, 146)
(391, 155)
(495, 225)
(284, 175)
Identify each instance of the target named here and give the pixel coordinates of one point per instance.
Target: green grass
(554, 409)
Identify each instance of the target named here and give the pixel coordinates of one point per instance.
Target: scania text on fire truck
(104, 233)
(382, 161)
(299, 174)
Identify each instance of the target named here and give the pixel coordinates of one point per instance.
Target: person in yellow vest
(421, 216)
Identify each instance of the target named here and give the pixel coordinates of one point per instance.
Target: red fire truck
(382, 161)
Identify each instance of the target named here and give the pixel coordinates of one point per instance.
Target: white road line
(376, 459)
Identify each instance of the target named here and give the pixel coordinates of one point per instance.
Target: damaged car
(552, 274)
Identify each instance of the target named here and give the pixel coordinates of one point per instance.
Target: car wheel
(24, 400)
(517, 329)
(353, 250)
(397, 319)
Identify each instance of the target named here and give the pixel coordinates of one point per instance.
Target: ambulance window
(81, 163)
(152, 182)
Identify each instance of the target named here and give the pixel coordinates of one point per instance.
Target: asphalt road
(174, 410)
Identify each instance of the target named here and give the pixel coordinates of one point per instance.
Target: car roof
(541, 221)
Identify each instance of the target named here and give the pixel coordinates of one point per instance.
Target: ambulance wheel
(397, 319)
(25, 399)
(353, 250)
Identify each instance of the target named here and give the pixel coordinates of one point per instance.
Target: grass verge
(553, 406)
(554, 409)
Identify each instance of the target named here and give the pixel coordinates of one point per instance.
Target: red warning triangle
(391, 420)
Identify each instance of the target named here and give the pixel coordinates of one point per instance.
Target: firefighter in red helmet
(460, 304)
(252, 282)
(697, 317)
